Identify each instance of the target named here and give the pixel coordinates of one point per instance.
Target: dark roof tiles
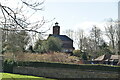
(62, 37)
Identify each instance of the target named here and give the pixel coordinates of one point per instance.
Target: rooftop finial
(56, 24)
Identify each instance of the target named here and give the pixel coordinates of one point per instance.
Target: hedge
(71, 66)
(8, 65)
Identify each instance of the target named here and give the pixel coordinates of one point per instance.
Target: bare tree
(79, 38)
(69, 33)
(118, 36)
(119, 40)
(95, 35)
(111, 33)
(20, 16)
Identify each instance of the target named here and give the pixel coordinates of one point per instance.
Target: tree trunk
(118, 47)
(113, 45)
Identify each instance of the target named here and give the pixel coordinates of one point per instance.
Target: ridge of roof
(62, 37)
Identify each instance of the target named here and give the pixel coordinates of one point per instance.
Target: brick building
(67, 43)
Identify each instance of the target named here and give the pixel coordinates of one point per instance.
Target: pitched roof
(61, 37)
(115, 57)
(107, 57)
(100, 58)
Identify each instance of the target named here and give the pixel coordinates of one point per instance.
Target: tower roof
(56, 24)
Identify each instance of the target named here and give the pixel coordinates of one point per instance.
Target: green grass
(8, 76)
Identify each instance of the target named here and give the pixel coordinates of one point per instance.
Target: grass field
(8, 76)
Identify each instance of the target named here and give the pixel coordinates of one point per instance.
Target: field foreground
(8, 76)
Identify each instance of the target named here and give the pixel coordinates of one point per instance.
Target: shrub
(84, 56)
(77, 53)
(46, 57)
(8, 65)
(80, 54)
(51, 44)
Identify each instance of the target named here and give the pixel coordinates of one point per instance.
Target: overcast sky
(74, 14)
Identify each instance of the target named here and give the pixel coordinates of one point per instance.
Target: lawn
(8, 76)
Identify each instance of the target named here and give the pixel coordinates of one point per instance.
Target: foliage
(80, 54)
(38, 45)
(8, 65)
(104, 49)
(54, 44)
(81, 67)
(77, 53)
(84, 56)
(46, 57)
(50, 45)
(16, 41)
(96, 39)
(17, 20)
